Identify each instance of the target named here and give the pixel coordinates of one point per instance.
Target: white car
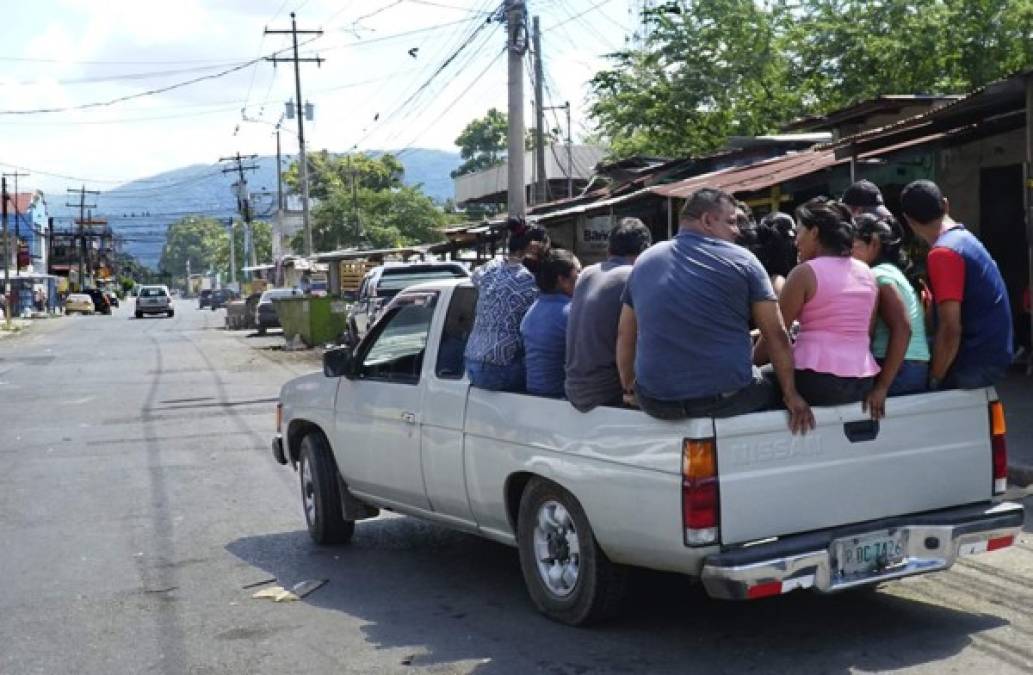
(739, 503)
(154, 300)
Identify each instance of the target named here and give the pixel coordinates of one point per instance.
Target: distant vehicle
(154, 300)
(220, 297)
(79, 303)
(112, 298)
(100, 300)
(204, 298)
(383, 283)
(265, 311)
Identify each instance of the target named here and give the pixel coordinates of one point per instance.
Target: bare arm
(794, 292)
(890, 308)
(773, 332)
(948, 338)
(627, 335)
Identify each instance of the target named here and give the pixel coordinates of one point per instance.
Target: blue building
(28, 221)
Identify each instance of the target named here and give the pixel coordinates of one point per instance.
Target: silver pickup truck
(740, 503)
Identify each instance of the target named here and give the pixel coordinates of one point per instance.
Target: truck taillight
(999, 446)
(279, 417)
(699, 495)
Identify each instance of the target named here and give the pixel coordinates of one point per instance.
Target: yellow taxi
(79, 302)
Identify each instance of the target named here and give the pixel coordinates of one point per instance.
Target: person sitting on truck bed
(773, 241)
(505, 290)
(833, 295)
(544, 327)
(973, 343)
(591, 359)
(878, 243)
(683, 345)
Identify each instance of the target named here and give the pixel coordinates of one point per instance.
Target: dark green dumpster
(316, 321)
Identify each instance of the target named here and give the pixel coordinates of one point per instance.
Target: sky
(370, 93)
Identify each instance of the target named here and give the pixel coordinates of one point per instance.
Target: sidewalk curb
(1020, 475)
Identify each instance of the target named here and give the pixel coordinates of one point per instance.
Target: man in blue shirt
(544, 327)
(684, 344)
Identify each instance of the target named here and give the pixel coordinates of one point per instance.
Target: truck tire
(321, 493)
(171, 313)
(568, 576)
(139, 315)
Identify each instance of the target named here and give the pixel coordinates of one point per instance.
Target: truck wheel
(321, 494)
(569, 578)
(171, 313)
(139, 315)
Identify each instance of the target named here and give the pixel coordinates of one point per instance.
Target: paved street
(138, 497)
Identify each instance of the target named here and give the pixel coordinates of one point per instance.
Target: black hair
(888, 232)
(556, 264)
(775, 243)
(745, 220)
(922, 201)
(521, 234)
(705, 200)
(629, 237)
(834, 222)
(863, 194)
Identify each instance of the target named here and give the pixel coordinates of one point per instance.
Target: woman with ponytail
(833, 296)
(505, 290)
(878, 243)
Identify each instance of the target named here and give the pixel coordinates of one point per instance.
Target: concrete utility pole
(243, 199)
(302, 161)
(541, 188)
(516, 41)
(17, 217)
(233, 254)
(82, 191)
(570, 149)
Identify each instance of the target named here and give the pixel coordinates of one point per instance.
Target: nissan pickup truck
(740, 504)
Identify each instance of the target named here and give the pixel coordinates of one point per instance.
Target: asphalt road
(138, 497)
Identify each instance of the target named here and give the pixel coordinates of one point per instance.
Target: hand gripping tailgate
(932, 451)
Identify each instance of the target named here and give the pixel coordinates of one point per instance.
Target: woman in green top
(878, 242)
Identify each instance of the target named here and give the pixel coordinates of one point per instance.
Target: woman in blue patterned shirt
(505, 290)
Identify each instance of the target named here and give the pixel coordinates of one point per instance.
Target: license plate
(868, 553)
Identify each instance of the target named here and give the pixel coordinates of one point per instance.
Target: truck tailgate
(932, 451)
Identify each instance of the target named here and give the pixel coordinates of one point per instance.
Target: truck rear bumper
(930, 541)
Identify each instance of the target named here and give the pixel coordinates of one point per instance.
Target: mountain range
(140, 211)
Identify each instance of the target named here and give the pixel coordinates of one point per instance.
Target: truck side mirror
(338, 362)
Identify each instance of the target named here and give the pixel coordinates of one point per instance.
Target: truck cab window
(396, 352)
(458, 324)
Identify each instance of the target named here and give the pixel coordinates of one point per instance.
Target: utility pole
(243, 198)
(233, 254)
(516, 44)
(541, 188)
(570, 149)
(82, 191)
(17, 214)
(303, 162)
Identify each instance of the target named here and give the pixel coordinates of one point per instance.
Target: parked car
(100, 300)
(265, 311)
(79, 303)
(382, 283)
(204, 298)
(154, 300)
(220, 297)
(739, 503)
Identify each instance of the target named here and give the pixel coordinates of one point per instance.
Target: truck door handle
(861, 431)
(409, 417)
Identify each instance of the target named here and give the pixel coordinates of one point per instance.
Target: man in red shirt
(973, 345)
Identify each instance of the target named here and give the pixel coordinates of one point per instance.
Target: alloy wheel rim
(557, 549)
(308, 493)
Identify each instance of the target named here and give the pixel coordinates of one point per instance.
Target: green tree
(329, 173)
(191, 238)
(388, 218)
(482, 143)
(715, 68)
(708, 70)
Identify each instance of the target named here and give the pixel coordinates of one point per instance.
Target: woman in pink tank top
(833, 295)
